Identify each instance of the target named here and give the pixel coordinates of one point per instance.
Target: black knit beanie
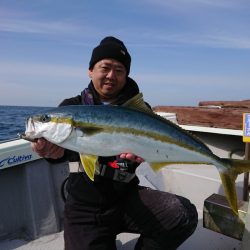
(111, 47)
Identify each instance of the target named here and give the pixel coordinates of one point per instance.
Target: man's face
(109, 77)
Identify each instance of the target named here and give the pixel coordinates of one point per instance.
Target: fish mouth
(30, 130)
(25, 137)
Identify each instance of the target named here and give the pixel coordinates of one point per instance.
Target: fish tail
(228, 177)
(228, 182)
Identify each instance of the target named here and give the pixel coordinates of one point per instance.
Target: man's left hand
(131, 157)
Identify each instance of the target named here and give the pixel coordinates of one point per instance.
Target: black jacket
(102, 192)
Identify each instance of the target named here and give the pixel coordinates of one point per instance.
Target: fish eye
(45, 118)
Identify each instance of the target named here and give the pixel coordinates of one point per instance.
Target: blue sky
(183, 51)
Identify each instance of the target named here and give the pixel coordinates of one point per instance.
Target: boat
(32, 190)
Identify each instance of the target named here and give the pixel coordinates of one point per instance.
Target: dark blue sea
(12, 120)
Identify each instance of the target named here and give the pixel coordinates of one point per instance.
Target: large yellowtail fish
(102, 130)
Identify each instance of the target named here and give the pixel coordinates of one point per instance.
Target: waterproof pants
(163, 220)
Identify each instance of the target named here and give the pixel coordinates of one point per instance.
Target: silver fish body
(111, 130)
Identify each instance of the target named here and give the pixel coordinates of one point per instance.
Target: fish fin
(228, 182)
(156, 166)
(89, 164)
(138, 103)
(228, 177)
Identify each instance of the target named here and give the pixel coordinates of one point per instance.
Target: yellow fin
(138, 103)
(89, 164)
(234, 167)
(228, 182)
(158, 165)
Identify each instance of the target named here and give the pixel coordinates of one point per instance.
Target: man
(96, 211)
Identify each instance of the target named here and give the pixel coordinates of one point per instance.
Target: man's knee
(186, 222)
(190, 215)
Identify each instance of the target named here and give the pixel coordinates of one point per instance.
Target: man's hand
(131, 157)
(47, 149)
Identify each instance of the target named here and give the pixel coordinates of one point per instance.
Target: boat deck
(184, 181)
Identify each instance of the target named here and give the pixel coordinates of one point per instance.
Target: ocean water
(12, 120)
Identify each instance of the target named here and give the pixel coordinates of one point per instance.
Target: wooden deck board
(217, 114)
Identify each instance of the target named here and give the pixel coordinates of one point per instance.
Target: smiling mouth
(109, 85)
